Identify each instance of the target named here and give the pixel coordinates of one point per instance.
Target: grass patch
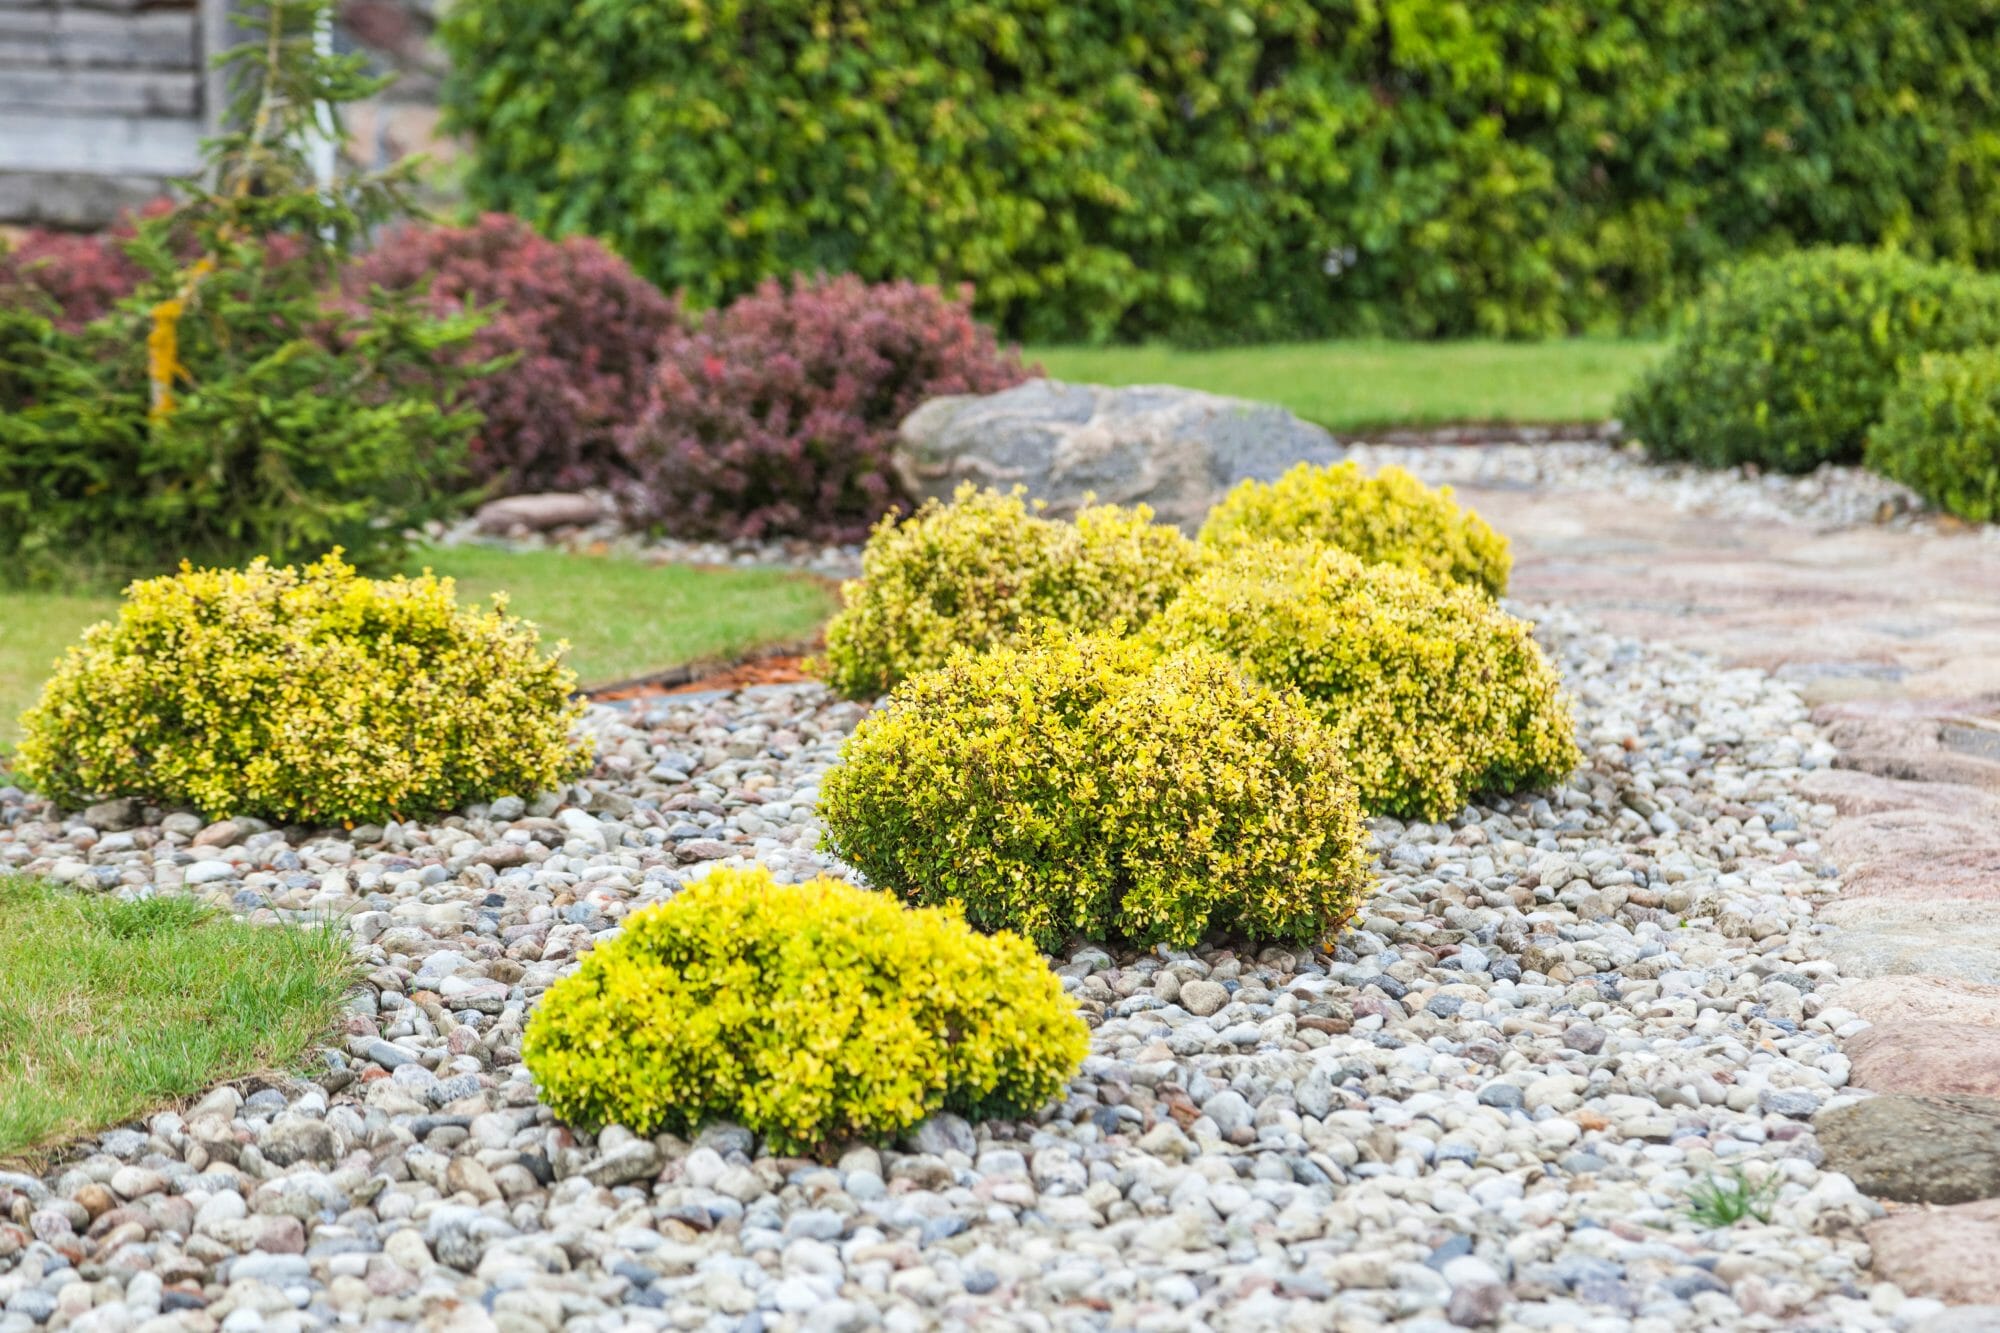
(1715, 1201)
(110, 1008)
(1359, 383)
(35, 627)
(623, 618)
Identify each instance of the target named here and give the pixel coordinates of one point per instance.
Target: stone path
(1894, 635)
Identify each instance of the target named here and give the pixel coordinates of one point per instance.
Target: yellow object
(809, 1013)
(982, 571)
(1083, 785)
(308, 695)
(163, 355)
(1437, 694)
(163, 361)
(1388, 519)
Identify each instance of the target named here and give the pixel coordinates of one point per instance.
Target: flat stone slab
(1961, 1319)
(1852, 792)
(1915, 1149)
(1887, 937)
(1925, 740)
(1920, 854)
(1952, 1254)
(1927, 1056)
(1885, 1000)
(1858, 610)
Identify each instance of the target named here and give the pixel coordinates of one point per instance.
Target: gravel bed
(1486, 1106)
(1827, 498)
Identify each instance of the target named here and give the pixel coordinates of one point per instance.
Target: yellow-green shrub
(302, 695)
(1388, 519)
(808, 1013)
(1436, 694)
(980, 571)
(1083, 785)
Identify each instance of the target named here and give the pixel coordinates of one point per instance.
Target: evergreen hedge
(1224, 169)
(1788, 361)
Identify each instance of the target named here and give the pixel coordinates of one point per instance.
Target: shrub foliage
(775, 416)
(232, 407)
(1079, 785)
(1220, 169)
(66, 278)
(1940, 434)
(1788, 361)
(305, 695)
(577, 334)
(309, 428)
(1390, 518)
(1435, 694)
(983, 570)
(808, 1013)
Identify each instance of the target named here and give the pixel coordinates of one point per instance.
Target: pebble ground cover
(1558, 1074)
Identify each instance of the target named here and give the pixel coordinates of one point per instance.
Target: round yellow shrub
(808, 1013)
(980, 571)
(1436, 694)
(302, 695)
(1388, 519)
(1081, 784)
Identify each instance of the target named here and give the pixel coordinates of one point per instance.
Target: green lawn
(1349, 385)
(625, 619)
(35, 627)
(110, 1008)
(622, 618)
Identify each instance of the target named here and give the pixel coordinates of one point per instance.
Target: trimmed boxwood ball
(1081, 785)
(1390, 518)
(1940, 434)
(1788, 361)
(808, 1013)
(1435, 694)
(981, 571)
(303, 695)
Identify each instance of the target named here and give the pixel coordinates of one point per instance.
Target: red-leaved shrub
(69, 277)
(775, 416)
(586, 327)
(72, 278)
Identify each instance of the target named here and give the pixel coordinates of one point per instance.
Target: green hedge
(1940, 433)
(1788, 361)
(1239, 168)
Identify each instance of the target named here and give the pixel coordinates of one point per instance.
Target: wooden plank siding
(102, 103)
(101, 92)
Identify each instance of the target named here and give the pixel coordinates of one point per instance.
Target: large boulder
(1175, 449)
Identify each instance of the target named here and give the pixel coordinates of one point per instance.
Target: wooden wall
(101, 103)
